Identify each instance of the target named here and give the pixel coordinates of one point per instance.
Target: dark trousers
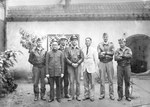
(38, 74)
(57, 80)
(65, 82)
(123, 73)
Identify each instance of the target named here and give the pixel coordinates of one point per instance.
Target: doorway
(140, 46)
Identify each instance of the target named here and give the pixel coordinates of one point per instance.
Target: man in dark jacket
(74, 57)
(55, 70)
(65, 79)
(123, 56)
(37, 59)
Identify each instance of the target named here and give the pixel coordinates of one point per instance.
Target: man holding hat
(123, 56)
(37, 59)
(65, 79)
(74, 57)
(55, 70)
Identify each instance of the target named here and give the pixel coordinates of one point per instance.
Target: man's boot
(36, 97)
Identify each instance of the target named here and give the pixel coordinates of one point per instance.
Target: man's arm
(128, 54)
(67, 57)
(62, 63)
(111, 52)
(100, 53)
(31, 58)
(117, 56)
(47, 63)
(82, 57)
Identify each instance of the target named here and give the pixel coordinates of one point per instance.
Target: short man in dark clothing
(55, 70)
(65, 79)
(123, 56)
(37, 59)
(105, 54)
(74, 57)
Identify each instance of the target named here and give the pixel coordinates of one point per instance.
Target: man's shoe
(78, 99)
(128, 99)
(86, 98)
(51, 100)
(112, 98)
(59, 100)
(43, 98)
(36, 98)
(67, 96)
(92, 99)
(119, 99)
(101, 97)
(70, 99)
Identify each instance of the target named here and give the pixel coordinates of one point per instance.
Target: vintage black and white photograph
(74, 53)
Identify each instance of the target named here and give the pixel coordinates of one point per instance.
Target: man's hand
(47, 75)
(103, 53)
(74, 65)
(62, 75)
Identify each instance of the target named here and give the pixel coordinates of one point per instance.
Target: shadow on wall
(140, 46)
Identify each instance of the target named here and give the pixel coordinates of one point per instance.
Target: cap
(122, 40)
(38, 40)
(73, 37)
(53, 40)
(63, 38)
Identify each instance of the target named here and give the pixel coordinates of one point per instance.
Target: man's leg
(109, 72)
(51, 81)
(86, 85)
(102, 80)
(92, 86)
(66, 81)
(71, 79)
(120, 74)
(58, 88)
(36, 72)
(62, 87)
(42, 73)
(77, 77)
(127, 75)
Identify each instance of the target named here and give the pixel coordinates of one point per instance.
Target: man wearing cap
(37, 59)
(123, 56)
(74, 57)
(89, 68)
(65, 79)
(105, 54)
(55, 70)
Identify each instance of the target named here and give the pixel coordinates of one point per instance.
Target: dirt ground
(24, 97)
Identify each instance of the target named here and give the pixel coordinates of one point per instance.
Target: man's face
(74, 42)
(55, 46)
(122, 44)
(63, 42)
(105, 38)
(39, 44)
(88, 42)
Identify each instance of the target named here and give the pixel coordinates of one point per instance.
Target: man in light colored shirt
(105, 54)
(89, 67)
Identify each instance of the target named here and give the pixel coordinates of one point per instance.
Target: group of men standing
(62, 65)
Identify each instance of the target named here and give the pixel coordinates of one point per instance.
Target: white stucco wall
(94, 29)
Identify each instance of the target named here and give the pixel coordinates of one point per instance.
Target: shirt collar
(123, 49)
(105, 43)
(75, 47)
